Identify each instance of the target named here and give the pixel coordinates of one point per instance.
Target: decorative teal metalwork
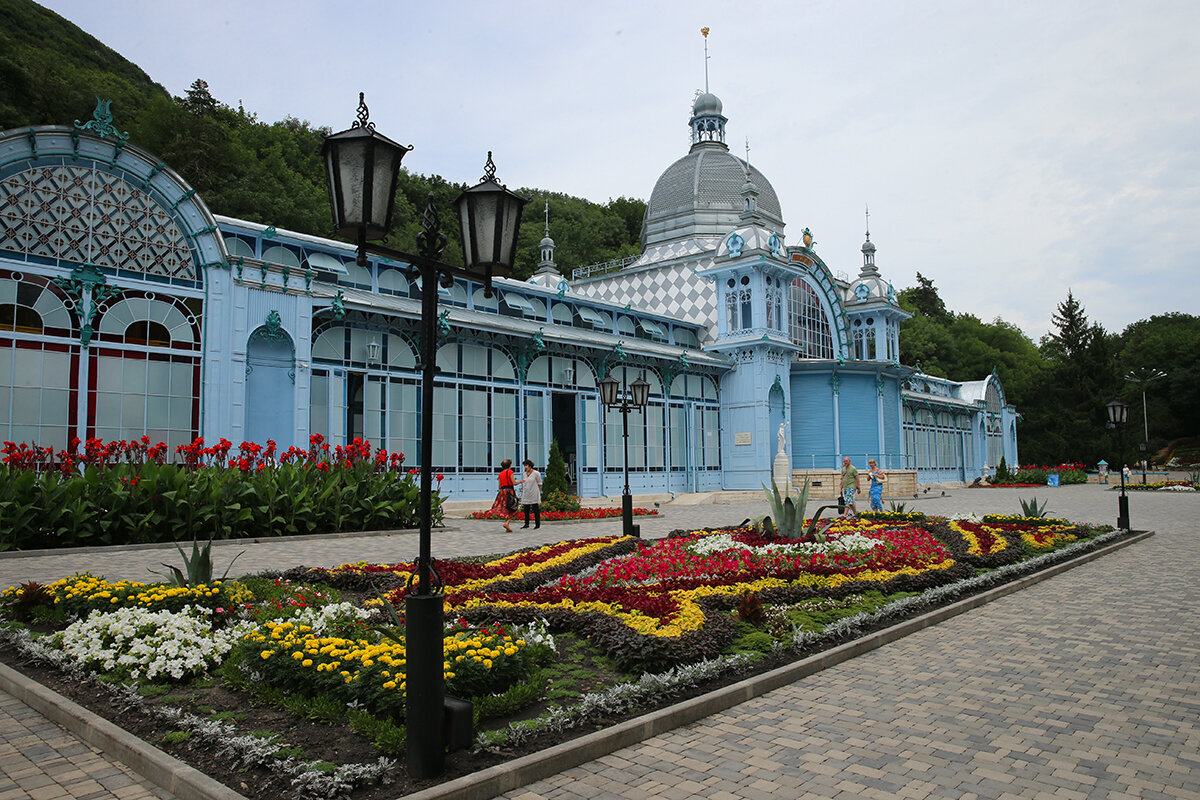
(272, 331)
(538, 343)
(270, 232)
(263, 282)
(74, 144)
(735, 243)
(619, 351)
(339, 305)
(879, 385)
(308, 279)
(159, 167)
(241, 265)
(287, 273)
(443, 324)
(117, 148)
(835, 381)
(32, 136)
(562, 289)
(101, 122)
(90, 282)
(185, 196)
(683, 362)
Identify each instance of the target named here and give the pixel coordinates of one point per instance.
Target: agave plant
(1031, 508)
(896, 508)
(199, 568)
(787, 514)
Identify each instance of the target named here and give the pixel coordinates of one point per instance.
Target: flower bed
(558, 516)
(53, 499)
(1161, 486)
(643, 605)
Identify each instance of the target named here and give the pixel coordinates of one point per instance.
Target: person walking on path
(531, 494)
(506, 504)
(878, 479)
(850, 485)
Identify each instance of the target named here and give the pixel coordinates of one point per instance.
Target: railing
(833, 461)
(602, 267)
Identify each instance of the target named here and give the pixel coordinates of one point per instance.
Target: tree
(1170, 343)
(556, 479)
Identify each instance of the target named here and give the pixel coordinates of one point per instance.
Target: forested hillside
(270, 172)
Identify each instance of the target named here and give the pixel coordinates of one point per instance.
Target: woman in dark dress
(506, 503)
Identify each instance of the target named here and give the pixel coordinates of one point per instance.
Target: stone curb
(162, 769)
(489, 783)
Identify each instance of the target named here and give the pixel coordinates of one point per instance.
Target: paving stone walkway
(1086, 685)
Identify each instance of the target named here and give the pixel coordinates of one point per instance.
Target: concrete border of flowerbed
(190, 784)
(162, 769)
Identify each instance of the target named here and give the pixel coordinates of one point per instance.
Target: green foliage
(560, 501)
(389, 737)
(199, 568)
(176, 737)
(556, 478)
(512, 700)
(1002, 473)
(107, 506)
(787, 515)
(753, 641)
(1031, 508)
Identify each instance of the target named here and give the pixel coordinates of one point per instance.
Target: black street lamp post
(362, 168)
(1117, 415)
(617, 397)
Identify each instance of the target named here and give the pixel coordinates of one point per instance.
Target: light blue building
(127, 308)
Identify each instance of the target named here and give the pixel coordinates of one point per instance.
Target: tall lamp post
(615, 397)
(1144, 375)
(1117, 415)
(362, 166)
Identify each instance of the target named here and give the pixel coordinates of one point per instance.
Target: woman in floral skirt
(506, 504)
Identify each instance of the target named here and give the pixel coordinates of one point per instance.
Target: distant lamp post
(1144, 375)
(1117, 415)
(613, 397)
(362, 167)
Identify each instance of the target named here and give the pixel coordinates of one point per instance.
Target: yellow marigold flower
(265, 654)
(390, 685)
(306, 662)
(297, 655)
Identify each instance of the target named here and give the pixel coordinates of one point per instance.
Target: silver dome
(701, 195)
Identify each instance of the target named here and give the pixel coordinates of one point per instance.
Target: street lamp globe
(1118, 412)
(610, 389)
(641, 392)
(491, 219)
(363, 167)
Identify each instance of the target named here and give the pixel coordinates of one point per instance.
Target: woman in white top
(531, 494)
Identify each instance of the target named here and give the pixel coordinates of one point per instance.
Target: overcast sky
(1008, 151)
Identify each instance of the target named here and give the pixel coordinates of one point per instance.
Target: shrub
(556, 478)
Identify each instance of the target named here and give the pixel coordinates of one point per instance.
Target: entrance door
(562, 428)
(270, 391)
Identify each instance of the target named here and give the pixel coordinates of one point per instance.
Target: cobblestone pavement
(1082, 686)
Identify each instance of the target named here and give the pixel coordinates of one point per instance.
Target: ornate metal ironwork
(364, 114)
(339, 305)
(443, 324)
(489, 169)
(101, 122)
(431, 241)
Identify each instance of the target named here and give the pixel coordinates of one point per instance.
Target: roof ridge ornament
(101, 122)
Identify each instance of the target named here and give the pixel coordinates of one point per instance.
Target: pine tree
(556, 479)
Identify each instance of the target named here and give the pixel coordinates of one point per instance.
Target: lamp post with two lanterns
(363, 168)
(1118, 413)
(617, 397)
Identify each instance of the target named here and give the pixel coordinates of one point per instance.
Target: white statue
(782, 437)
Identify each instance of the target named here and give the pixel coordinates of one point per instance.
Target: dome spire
(707, 123)
(868, 250)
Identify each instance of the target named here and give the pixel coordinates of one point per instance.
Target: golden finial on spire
(704, 32)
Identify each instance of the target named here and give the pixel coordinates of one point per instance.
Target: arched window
(809, 327)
